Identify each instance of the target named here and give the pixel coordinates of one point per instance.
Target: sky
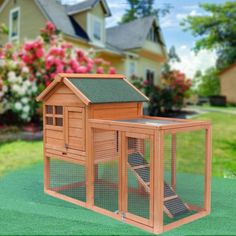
(173, 33)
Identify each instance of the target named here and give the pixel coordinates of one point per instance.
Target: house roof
(96, 89)
(56, 13)
(86, 5)
(132, 34)
(227, 68)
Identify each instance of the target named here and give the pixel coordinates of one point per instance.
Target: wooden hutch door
(75, 128)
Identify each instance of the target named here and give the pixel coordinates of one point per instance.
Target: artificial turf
(26, 210)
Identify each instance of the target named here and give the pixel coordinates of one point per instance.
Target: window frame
(11, 13)
(54, 116)
(150, 73)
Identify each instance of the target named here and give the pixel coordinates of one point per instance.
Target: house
(135, 48)
(228, 83)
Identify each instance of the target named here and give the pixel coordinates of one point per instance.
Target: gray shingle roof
(85, 5)
(57, 14)
(107, 90)
(130, 35)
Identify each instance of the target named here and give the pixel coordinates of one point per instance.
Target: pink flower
(98, 61)
(112, 70)
(39, 52)
(82, 69)
(50, 26)
(99, 70)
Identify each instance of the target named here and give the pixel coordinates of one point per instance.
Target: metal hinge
(66, 146)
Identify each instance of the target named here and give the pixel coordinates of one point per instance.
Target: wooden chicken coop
(102, 153)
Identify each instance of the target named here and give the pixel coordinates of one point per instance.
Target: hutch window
(54, 115)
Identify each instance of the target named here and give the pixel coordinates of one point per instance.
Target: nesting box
(102, 153)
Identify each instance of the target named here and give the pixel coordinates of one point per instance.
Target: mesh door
(184, 160)
(138, 169)
(106, 156)
(68, 179)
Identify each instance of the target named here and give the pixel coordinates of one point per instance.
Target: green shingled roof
(107, 90)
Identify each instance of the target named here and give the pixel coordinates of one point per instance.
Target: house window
(14, 24)
(150, 75)
(97, 30)
(132, 68)
(54, 115)
(153, 35)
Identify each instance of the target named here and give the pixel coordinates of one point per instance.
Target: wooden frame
(110, 122)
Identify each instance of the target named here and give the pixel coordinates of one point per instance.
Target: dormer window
(14, 24)
(97, 29)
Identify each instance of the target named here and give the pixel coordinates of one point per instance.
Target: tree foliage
(139, 9)
(207, 83)
(215, 30)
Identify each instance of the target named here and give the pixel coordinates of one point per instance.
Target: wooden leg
(46, 173)
(173, 162)
(207, 195)
(96, 172)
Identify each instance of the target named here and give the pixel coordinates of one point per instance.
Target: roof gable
(138, 29)
(98, 89)
(87, 5)
(224, 71)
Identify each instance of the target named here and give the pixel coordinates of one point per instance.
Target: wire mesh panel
(68, 179)
(184, 161)
(138, 169)
(106, 160)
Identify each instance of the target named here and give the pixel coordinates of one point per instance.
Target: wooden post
(208, 160)
(89, 165)
(173, 162)
(158, 190)
(124, 182)
(46, 173)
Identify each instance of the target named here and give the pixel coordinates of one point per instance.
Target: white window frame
(133, 63)
(16, 37)
(91, 19)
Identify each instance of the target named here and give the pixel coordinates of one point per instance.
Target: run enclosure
(153, 173)
(100, 152)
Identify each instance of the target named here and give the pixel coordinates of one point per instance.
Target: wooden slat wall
(115, 111)
(76, 128)
(62, 95)
(105, 145)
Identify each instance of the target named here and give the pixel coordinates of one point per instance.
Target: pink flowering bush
(27, 69)
(169, 95)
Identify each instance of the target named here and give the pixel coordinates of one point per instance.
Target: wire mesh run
(138, 169)
(68, 179)
(106, 166)
(184, 166)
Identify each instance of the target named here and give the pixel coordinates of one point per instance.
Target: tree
(207, 83)
(139, 9)
(215, 30)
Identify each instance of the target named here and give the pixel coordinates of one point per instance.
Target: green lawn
(18, 154)
(21, 153)
(224, 143)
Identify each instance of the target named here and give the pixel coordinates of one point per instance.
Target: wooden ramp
(173, 205)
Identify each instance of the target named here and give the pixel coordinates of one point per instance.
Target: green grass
(224, 143)
(18, 154)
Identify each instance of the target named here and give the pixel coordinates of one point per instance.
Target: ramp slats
(173, 205)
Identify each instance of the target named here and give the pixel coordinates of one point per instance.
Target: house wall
(31, 19)
(142, 64)
(228, 85)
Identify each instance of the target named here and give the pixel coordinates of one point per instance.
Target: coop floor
(26, 210)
